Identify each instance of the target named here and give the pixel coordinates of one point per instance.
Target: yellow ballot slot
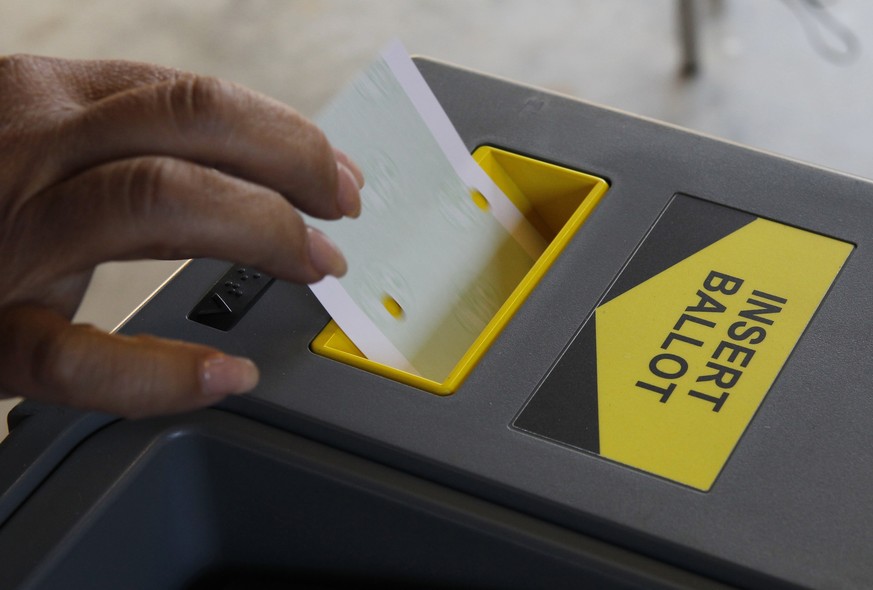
(554, 199)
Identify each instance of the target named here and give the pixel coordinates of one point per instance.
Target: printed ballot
(438, 247)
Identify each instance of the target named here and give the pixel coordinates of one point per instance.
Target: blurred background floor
(793, 77)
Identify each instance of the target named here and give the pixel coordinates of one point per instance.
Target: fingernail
(324, 255)
(223, 375)
(348, 194)
(346, 161)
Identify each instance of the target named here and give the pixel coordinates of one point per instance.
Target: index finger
(217, 124)
(88, 81)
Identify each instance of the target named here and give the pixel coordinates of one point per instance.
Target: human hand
(116, 161)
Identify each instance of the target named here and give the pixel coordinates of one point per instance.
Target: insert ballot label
(670, 369)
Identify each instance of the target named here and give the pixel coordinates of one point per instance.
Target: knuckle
(155, 203)
(146, 184)
(195, 100)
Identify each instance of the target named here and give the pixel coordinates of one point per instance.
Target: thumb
(44, 357)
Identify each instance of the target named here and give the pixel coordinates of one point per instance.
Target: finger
(42, 356)
(79, 81)
(171, 209)
(89, 81)
(221, 125)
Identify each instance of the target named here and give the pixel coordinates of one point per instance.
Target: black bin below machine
(214, 500)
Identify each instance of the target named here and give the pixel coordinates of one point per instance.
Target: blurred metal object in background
(688, 38)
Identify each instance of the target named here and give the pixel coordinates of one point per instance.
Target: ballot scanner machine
(680, 396)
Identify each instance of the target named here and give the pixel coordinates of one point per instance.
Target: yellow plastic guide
(555, 200)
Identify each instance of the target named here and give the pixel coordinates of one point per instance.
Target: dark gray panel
(216, 501)
(789, 509)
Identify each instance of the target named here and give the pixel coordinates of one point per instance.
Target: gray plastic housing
(791, 503)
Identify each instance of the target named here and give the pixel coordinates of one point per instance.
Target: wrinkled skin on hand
(113, 160)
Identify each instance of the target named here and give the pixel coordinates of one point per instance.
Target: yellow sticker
(685, 357)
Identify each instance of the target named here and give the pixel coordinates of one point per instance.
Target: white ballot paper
(429, 264)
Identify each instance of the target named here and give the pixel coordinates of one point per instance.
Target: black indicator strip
(228, 300)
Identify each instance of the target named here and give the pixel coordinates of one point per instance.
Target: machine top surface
(787, 502)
